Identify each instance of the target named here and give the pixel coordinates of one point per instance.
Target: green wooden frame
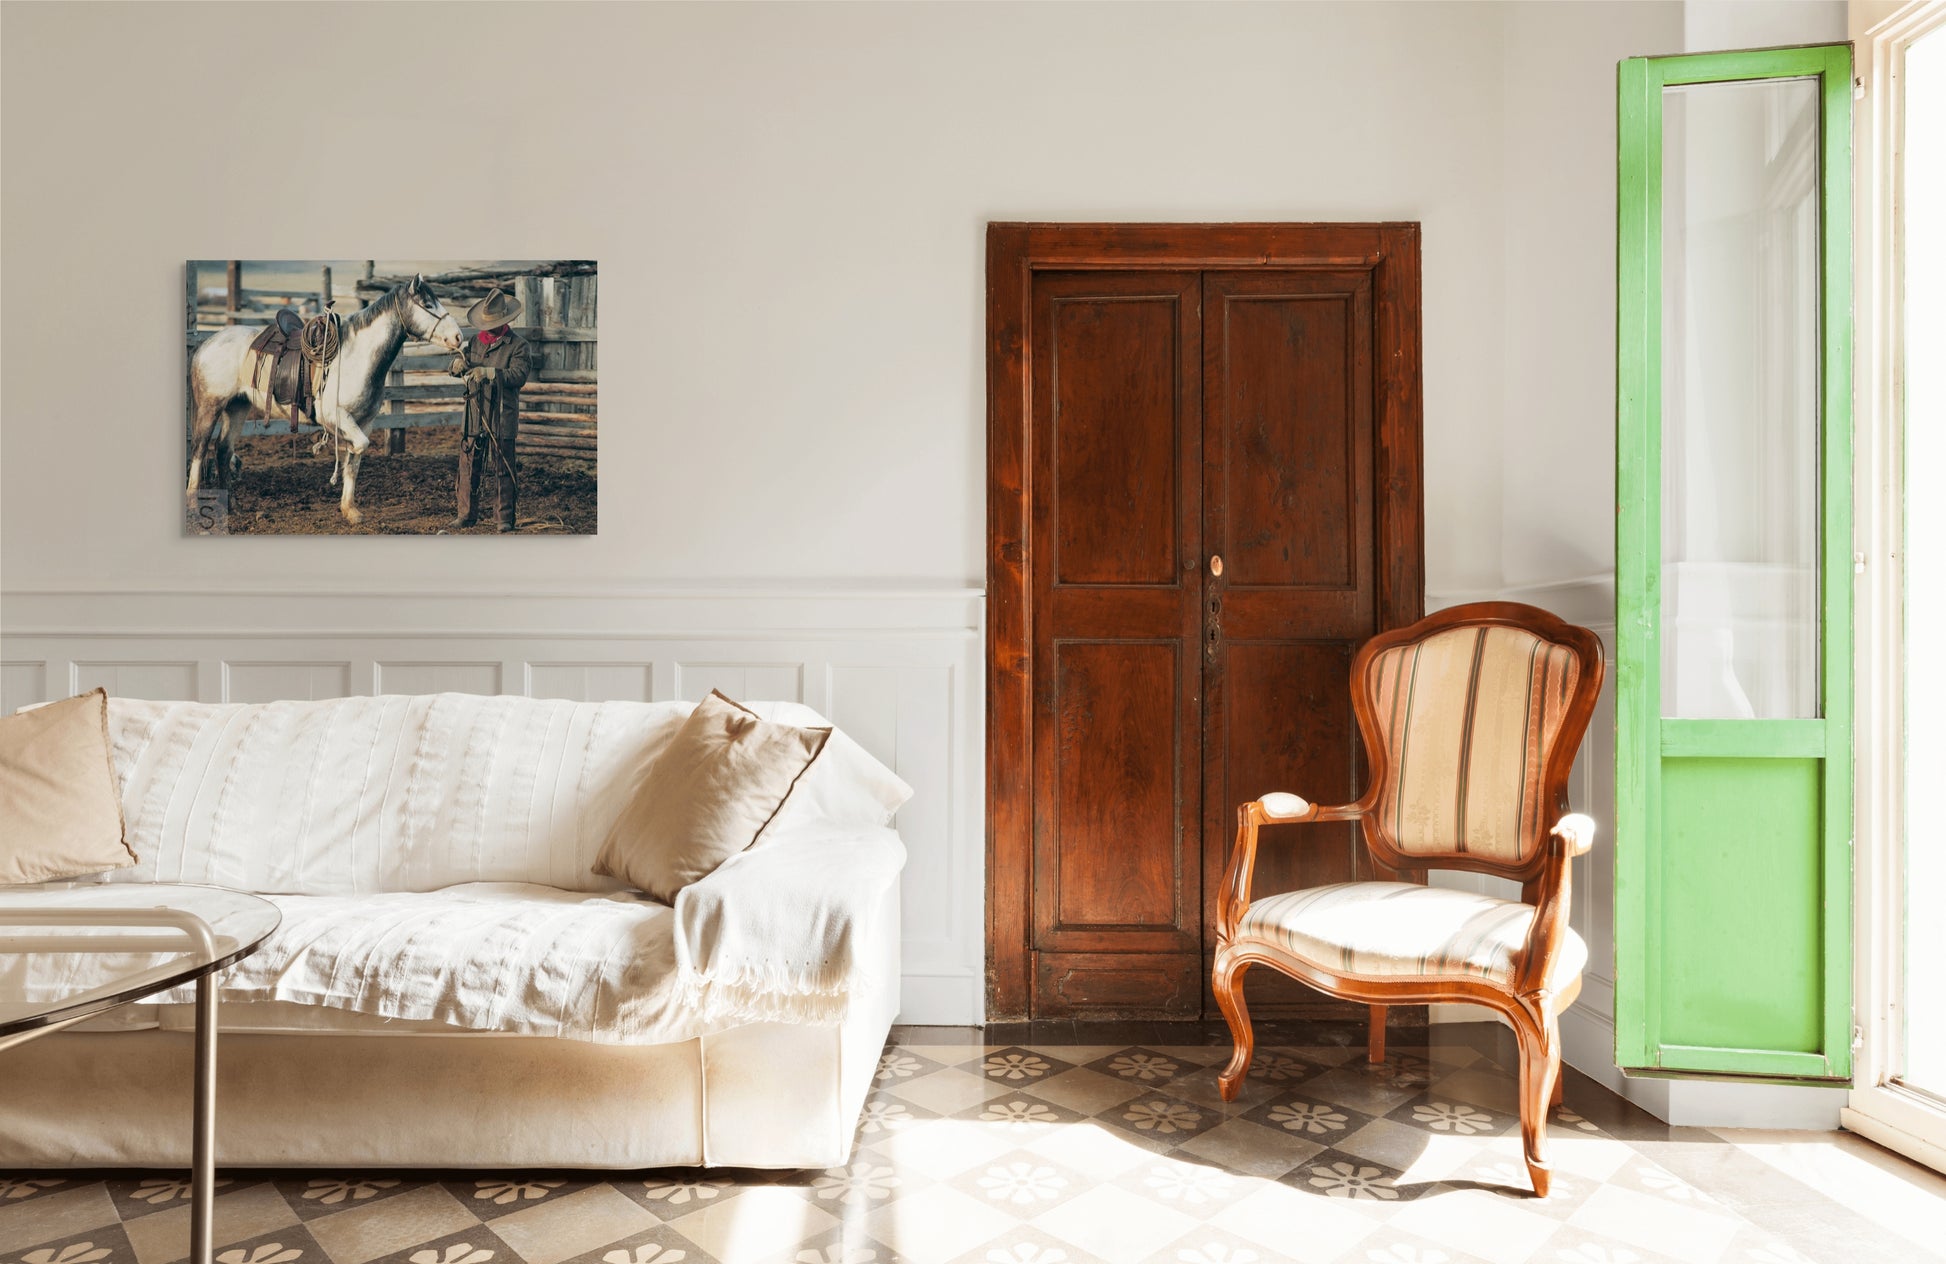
(1644, 739)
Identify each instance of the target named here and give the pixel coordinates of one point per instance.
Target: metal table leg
(202, 1174)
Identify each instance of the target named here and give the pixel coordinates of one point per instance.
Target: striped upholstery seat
(1468, 717)
(1393, 930)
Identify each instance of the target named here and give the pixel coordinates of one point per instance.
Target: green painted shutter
(1733, 751)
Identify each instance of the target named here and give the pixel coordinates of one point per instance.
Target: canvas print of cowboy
(361, 397)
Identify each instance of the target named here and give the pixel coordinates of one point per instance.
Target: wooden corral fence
(558, 313)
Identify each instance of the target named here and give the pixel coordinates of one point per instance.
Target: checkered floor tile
(972, 1152)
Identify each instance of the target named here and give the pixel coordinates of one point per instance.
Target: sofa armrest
(783, 932)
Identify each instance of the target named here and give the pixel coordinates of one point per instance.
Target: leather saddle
(279, 367)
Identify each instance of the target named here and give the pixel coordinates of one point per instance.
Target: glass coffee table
(151, 937)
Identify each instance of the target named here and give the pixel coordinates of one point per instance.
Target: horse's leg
(359, 441)
(200, 433)
(223, 435)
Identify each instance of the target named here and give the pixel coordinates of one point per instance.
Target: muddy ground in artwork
(286, 490)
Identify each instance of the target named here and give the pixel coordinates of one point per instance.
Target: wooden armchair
(1471, 719)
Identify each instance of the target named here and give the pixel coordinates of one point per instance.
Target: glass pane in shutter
(1740, 387)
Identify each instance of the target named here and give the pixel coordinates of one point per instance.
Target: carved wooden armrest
(1277, 808)
(1573, 835)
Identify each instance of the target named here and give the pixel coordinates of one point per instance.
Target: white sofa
(451, 986)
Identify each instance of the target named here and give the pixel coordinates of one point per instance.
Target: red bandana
(490, 336)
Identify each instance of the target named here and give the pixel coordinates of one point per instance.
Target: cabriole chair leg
(1540, 1067)
(1227, 982)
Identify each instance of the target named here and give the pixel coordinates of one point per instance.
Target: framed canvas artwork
(382, 397)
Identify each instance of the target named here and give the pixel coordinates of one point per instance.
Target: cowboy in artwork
(494, 364)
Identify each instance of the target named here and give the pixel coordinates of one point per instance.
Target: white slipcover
(431, 858)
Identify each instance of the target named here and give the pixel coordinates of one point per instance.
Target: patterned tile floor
(1089, 1145)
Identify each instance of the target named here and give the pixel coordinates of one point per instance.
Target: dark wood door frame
(1390, 252)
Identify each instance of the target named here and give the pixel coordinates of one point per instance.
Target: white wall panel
(433, 676)
(20, 684)
(247, 681)
(136, 678)
(772, 682)
(592, 682)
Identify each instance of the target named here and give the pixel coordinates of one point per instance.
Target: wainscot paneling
(897, 668)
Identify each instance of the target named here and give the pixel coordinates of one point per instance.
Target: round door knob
(1216, 564)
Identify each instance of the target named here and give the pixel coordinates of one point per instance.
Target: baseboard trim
(941, 1000)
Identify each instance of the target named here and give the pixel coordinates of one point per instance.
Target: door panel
(1733, 566)
(1288, 469)
(1748, 826)
(1117, 688)
(1117, 457)
(1285, 352)
(1117, 867)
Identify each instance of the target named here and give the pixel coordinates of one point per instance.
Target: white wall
(788, 205)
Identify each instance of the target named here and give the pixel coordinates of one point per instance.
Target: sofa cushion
(706, 797)
(60, 816)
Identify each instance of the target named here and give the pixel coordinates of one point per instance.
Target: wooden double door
(1221, 501)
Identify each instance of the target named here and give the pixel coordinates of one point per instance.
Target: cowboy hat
(496, 309)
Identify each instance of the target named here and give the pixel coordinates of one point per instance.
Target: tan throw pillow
(706, 797)
(60, 813)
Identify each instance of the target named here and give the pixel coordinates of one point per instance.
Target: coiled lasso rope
(319, 343)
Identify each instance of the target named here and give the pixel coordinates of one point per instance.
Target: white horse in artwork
(223, 394)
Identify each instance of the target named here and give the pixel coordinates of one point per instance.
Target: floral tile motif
(1022, 1183)
(1453, 1118)
(866, 1182)
(1159, 1117)
(1144, 1067)
(148, 1194)
(1337, 1174)
(896, 1066)
(1016, 1065)
(290, 1245)
(672, 1193)
(884, 1114)
(105, 1244)
(1018, 1114)
(490, 1197)
(17, 1189)
(473, 1246)
(1312, 1118)
(1195, 1187)
(330, 1192)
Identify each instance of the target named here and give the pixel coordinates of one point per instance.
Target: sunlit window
(1924, 170)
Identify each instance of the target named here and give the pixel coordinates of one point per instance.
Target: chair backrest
(1471, 720)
